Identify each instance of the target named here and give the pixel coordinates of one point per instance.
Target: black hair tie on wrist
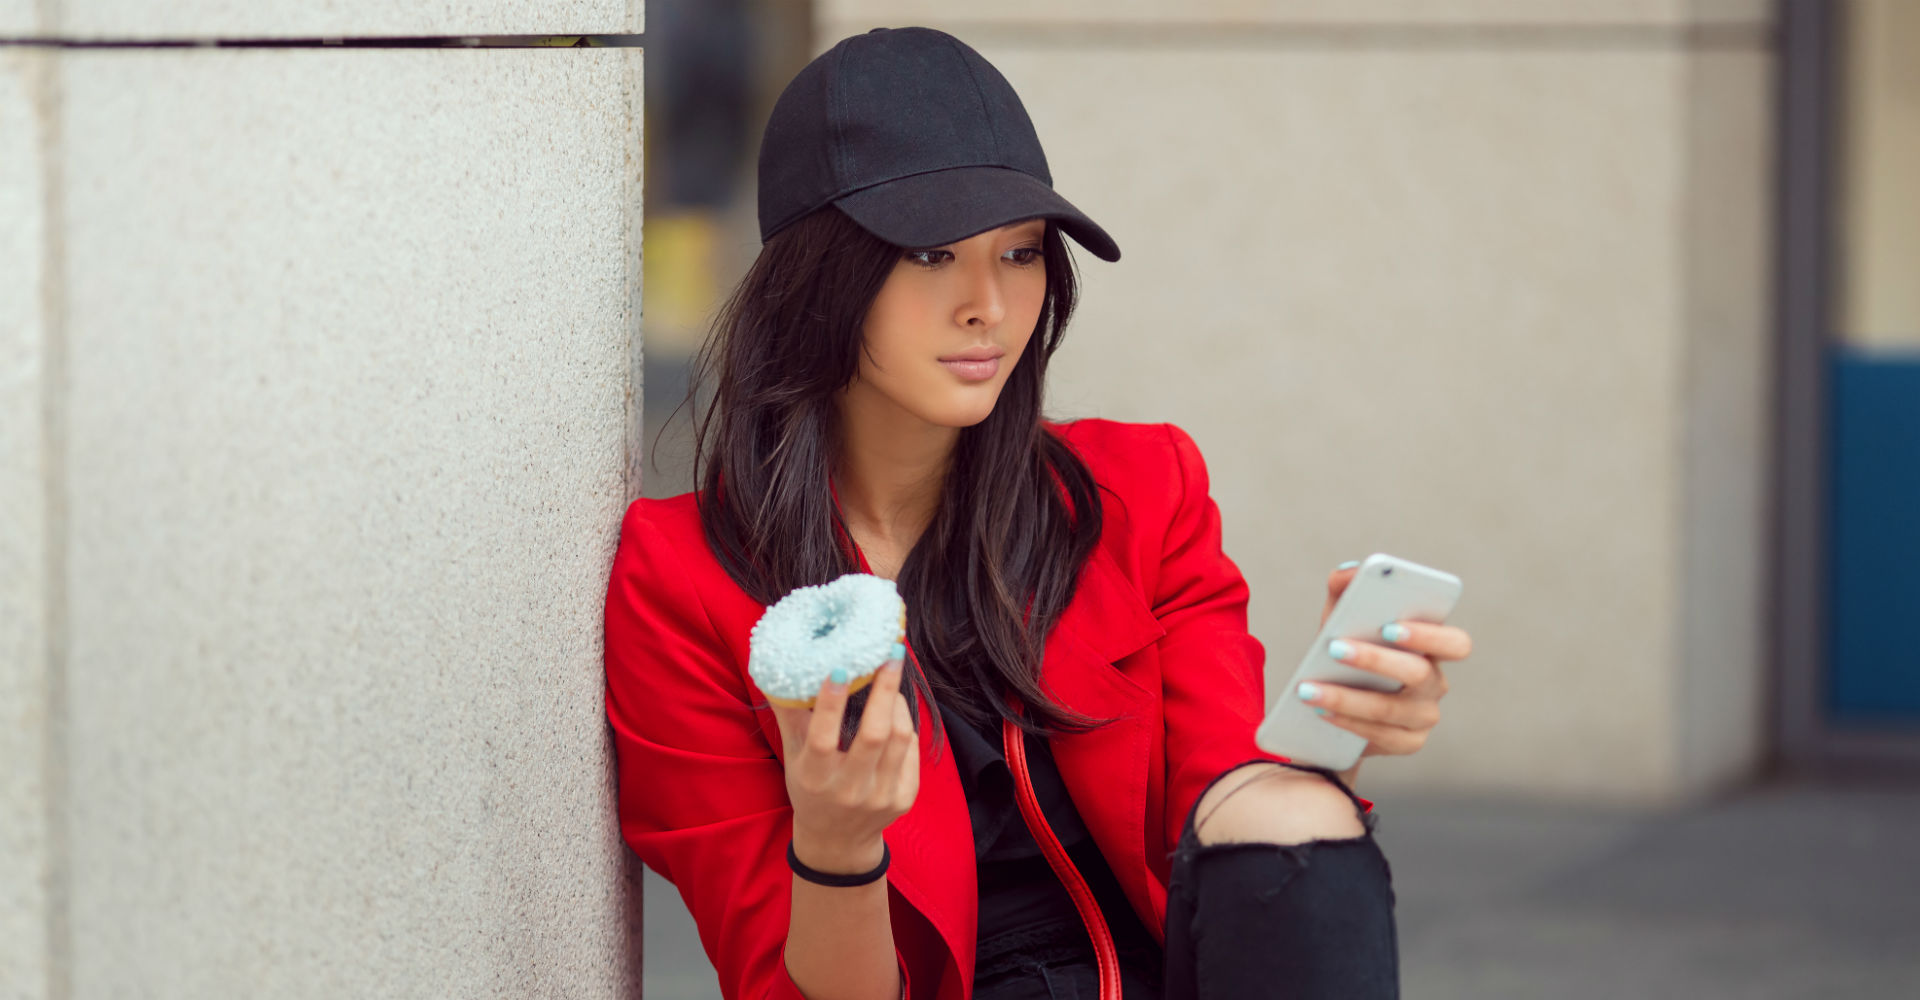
(839, 881)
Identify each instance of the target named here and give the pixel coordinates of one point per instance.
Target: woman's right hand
(843, 799)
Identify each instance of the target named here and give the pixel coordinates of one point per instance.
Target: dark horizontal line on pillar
(395, 42)
(1008, 34)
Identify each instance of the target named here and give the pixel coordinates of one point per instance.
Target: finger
(909, 778)
(1373, 706)
(793, 727)
(901, 740)
(823, 730)
(1442, 642)
(1381, 737)
(1409, 669)
(876, 721)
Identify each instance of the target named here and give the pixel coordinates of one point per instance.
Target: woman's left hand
(1397, 722)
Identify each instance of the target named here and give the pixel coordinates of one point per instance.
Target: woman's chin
(963, 411)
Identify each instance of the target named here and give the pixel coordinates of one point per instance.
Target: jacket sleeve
(1212, 668)
(701, 797)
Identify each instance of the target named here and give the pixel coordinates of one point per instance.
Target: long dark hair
(1019, 512)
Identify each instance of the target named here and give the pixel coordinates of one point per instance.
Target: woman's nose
(984, 296)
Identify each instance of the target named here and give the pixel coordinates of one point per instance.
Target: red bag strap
(1015, 747)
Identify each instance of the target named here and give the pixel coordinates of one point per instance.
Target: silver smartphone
(1384, 589)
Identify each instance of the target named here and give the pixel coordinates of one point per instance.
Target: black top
(1026, 914)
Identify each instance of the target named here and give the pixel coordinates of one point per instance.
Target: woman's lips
(974, 371)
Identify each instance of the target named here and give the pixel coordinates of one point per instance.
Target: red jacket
(1156, 631)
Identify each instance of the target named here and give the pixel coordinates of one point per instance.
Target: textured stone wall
(318, 390)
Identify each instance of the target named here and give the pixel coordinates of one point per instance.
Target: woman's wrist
(825, 854)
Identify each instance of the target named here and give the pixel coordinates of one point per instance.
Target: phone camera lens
(1387, 571)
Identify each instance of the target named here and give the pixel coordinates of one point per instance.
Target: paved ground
(1782, 891)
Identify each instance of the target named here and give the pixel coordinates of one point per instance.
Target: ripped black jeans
(1310, 921)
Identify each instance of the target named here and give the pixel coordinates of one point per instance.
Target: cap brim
(942, 206)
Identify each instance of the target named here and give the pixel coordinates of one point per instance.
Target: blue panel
(1874, 590)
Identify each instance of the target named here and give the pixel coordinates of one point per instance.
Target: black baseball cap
(917, 138)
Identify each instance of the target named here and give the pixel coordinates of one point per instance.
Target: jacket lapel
(1105, 621)
(1106, 771)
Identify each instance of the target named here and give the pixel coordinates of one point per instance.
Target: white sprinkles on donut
(852, 622)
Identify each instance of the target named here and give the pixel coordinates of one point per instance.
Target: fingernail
(1321, 711)
(1349, 564)
(898, 652)
(1394, 631)
(1309, 691)
(1340, 649)
(839, 677)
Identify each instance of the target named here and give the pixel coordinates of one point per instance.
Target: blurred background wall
(1489, 284)
(1464, 282)
(1480, 284)
(317, 391)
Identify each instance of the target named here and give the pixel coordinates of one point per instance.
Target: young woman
(1052, 790)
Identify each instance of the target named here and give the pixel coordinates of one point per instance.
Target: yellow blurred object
(681, 290)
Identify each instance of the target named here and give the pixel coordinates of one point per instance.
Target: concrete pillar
(25, 554)
(318, 387)
(1482, 283)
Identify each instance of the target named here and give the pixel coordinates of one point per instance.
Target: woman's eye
(1023, 256)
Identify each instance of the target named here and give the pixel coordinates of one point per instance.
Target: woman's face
(980, 295)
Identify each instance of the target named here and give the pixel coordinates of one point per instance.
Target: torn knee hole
(1295, 851)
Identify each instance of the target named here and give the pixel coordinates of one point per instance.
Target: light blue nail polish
(838, 677)
(1394, 631)
(1323, 713)
(1309, 691)
(898, 652)
(1349, 564)
(1340, 649)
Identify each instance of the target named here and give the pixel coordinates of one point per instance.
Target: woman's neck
(890, 476)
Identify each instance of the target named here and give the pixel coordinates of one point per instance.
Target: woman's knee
(1281, 805)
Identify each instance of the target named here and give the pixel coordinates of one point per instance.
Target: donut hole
(830, 616)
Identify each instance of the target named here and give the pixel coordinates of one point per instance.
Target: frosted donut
(852, 622)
